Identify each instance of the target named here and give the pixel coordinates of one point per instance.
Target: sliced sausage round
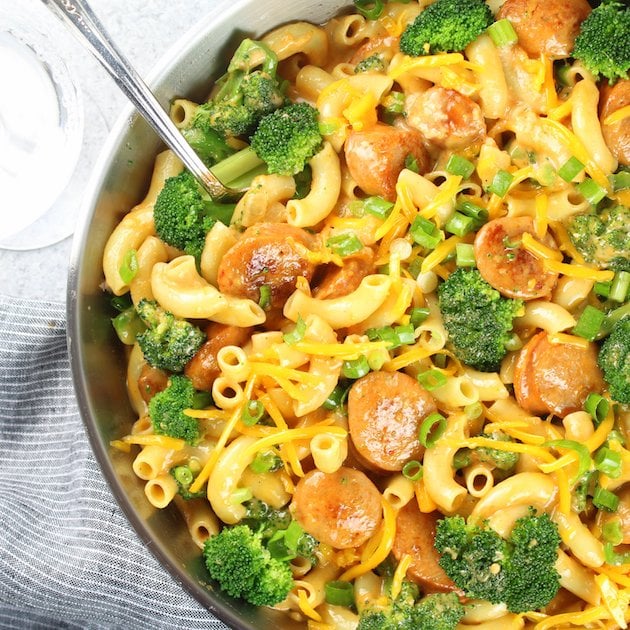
(266, 254)
(203, 368)
(339, 281)
(617, 135)
(557, 376)
(341, 509)
(546, 26)
(506, 265)
(415, 535)
(376, 156)
(385, 411)
(446, 118)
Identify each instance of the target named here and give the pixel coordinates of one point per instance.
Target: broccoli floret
(238, 560)
(603, 238)
(446, 26)
(245, 95)
(208, 143)
(166, 410)
(519, 572)
(184, 213)
(286, 139)
(478, 320)
(614, 361)
(440, 611)
(280, 531)
(503, 460)
(374, 62)
(603, 44)
(168, 342)
(184, 477)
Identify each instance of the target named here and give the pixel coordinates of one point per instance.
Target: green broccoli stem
(238, 169)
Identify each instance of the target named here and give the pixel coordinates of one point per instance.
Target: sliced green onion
(277, 547)
(501, 183)
(620, 180)
(591, 191)
(425, 232)
(570, 169)
(394, 103)
(608, 462)
(458, 165)
(265, 296)
(386, 333)
(472, 210)
(431, 429)
(412, 470)
(602, 289)
(612, 532)
(266, 461)
(183, 475)
(292, 535)
(440, 360)
(336, 398)
(378, 206)
(377, 359)
(460, 224)
(584, 456)
(597, 406)
(619, 287)
(605, 500)
(240, 495)
(406, 334)
(129, 266)
(431, 379)
(613, 317)
(411, 163)
(589, 323)
(356, 368)
(252, 413)
(562, 74)
(370, 10)
(546, 175)
(474, 410)
(357, 208)
(415, 267)
(502, 32)
(613, 558)
(297, 334)
(418, 315)
(339, 593)
(465, 255)
(345, 244)
(616, 436)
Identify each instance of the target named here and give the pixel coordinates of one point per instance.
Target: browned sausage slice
(339, 281)
(509, 267)
(617, 135)
(555, 377)
(415, 535)
(565, 374)
(341, 509)
(151, 381)
(376, 156)
(203, 368)
(267, 254)
(446, 118)
(385, 411)
(525, 390)
(546, 26)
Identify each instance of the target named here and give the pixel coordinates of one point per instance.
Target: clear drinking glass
(41, 131)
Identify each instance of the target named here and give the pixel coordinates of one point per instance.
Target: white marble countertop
(143, 30)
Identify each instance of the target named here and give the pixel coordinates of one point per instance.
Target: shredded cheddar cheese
(617, 116)
(538, 249)
(578, 271)
(305, 605)
(155, 440)
(573, 340)
(399, 575)
(440, 253)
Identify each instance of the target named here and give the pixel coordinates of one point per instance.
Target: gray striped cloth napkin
(68, 557)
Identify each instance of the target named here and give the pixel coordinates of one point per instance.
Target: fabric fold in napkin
(68, 557)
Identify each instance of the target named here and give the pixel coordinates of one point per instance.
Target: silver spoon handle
(87, 27)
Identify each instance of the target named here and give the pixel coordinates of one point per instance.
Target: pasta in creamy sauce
(428, 165)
